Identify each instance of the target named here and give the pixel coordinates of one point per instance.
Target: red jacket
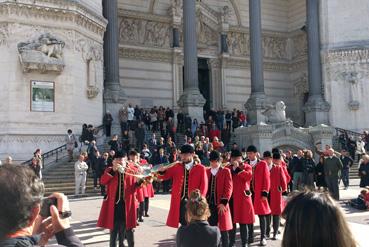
(261, 182)
(147, 189)
(278, 184)
(223, 191)
(243, 210)
(214, 133)
(197, 180)
(110, 179)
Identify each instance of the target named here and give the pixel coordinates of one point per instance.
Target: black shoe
(140, 220)
(263, 242)
(274, 237)
(267, 236)
(250, 241)
(146, 215)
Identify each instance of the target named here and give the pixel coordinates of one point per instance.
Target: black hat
(252, 149)
(119, 155)
(214, 156)
(267, 154)
(275, 150)
(277, 156)
(187, 149)
(235, 153)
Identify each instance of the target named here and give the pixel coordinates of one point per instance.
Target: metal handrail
(56, 152)
(349, 132)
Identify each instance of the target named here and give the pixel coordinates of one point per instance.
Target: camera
(45, 206)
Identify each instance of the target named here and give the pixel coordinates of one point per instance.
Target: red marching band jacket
(261, 186)
(110, 179)
(223, 191)
(243, 210)
(197, 180)
(278, 185)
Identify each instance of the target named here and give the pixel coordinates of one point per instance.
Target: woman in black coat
(198, 233)
(319, 172)
(364, 171)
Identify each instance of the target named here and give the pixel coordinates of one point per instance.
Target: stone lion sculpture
(46, 44)
(275, 113)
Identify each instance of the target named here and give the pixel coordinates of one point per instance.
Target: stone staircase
(354, 171)
(60, 178)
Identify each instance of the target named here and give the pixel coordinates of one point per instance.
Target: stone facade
(151, 69)
(78, 85)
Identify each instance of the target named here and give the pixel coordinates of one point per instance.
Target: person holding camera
(25, 218)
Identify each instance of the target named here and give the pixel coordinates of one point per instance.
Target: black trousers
(275, 221)
(243, 232)
(263, 225)
(182, 212)
(213, 221)
(108, 130)
(147, 205)
(141, 210)
(119, 229)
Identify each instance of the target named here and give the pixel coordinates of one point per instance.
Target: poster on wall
(42, 96)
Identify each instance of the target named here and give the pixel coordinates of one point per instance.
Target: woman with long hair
(198, 233)
(313, 219)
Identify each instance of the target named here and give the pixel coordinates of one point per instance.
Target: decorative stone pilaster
(256, 102)
(216, 81)
(316, 107)
(322, 134)
(191, 101)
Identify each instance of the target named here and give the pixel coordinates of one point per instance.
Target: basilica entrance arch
(289, 138)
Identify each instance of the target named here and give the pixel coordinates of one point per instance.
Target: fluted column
(113, 92)
(316, 107)
(191, 101)
(256, 102)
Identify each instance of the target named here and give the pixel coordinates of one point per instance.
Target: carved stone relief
(144, 32)
(205, 35)
(299, 45)
(42, 54)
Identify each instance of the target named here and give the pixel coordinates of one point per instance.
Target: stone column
(191, 101)
(113, 93)
(316, 107)
(256, 102)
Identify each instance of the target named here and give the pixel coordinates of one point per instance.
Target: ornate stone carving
(92, 55)
(354, 105)
(238, 44)
(301, 85)
(299, 45)
(275, 47)
(206, 36)
(144, 32)
(275, 113)
(56, 11)
(43, 54)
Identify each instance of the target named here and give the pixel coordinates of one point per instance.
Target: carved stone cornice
(355, 55)
(146, 54)
(51, 11)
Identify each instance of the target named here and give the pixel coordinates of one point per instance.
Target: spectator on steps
(114, 144)
(364, 171)
(107, 121)
(80, 172)
(140, 136)
(71, 141)
(35, 166)
(123, 118)
(131, 115)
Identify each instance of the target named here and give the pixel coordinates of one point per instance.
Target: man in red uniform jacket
(241, 202)
(278, 187)
(118, 210)
(260, 186)
(187, 176)
(219, 193)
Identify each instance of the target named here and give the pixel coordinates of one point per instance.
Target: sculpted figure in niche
(275, 113)
(46, 44)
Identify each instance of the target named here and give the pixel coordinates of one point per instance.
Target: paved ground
(153, 231)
